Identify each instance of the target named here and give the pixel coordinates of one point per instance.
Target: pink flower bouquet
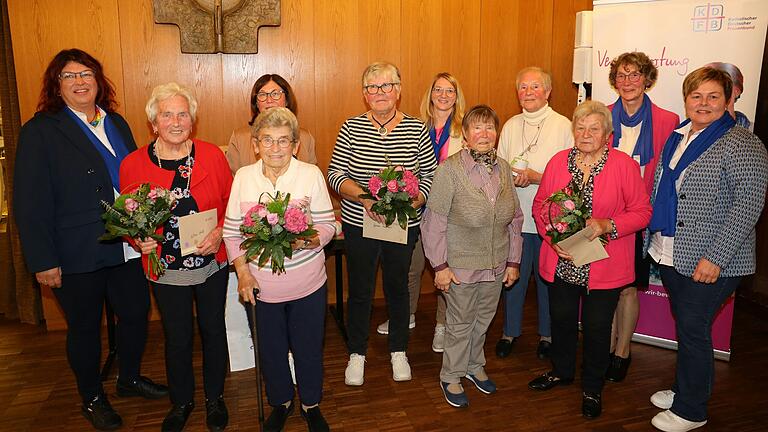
(270, 228)
(137, 215)
(394, 189)
(565, 213)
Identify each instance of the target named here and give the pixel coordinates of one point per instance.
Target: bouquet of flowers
(136, 215)
(566, 213)
(394, 189)
(271, 227)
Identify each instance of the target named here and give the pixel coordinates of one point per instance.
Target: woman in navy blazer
(67, 164)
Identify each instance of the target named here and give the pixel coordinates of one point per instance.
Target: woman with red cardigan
(614, 193)
(640, 129)
(198, 176)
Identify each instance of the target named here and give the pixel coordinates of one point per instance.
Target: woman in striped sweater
(291, 305)
(365, 144)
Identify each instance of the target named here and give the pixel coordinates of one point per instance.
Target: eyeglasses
(274, 94)
(282, 142)
(447, 91)
(632, 76)
(373, 89)
(86, 75)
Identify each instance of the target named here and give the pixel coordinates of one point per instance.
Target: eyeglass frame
(620, 77)
(86, 75)
(380, 88)
(448, 91)
(289, 142)
(263, 96)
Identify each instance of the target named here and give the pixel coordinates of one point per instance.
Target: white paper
(581, 249)
(193, 229)
(392, 233)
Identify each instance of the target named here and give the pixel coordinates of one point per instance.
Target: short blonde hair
(587, 108)
(704, 74)
(381, 68)
(276, 117)
(546, 78)
(168, 90)
(458, 108)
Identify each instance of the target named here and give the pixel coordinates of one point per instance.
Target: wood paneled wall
(321, 48)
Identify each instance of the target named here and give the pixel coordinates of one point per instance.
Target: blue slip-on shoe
(486, 386)
(457, 400)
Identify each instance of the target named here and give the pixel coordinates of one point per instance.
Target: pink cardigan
(664, 122)
(620, 195)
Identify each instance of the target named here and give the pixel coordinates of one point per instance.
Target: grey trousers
(414, 283)
(471, 307)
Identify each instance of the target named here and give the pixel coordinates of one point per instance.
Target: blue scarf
(111, 161)
(665, 206)
(644, 145)
(438, 143)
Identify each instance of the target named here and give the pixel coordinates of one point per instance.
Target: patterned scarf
(488, 158)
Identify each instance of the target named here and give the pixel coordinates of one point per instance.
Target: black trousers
(175, 304)
(298, 325)
(363, 255)
(597, 309)
(81, 297)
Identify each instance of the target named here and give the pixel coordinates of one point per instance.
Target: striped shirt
(360, 153)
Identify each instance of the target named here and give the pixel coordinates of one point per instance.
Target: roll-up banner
(679, 36)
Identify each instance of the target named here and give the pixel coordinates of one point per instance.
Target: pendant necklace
(188, 163)
(530, 146)
(383, 126)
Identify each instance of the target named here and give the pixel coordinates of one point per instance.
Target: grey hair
(546, 78)
(276, 117)
(381, 68)
(168, 90)
(587, 108)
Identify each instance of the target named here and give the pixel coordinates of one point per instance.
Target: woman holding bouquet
(270, 90)
(617, 206)
(708, 197)
(366, 144)
(67, 165)
(291, 304)
(640, 129)
(472, 239)
(197, 174)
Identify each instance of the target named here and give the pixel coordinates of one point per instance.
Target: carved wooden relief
(211, 26)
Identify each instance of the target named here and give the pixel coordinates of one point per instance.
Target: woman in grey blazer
(709, 192)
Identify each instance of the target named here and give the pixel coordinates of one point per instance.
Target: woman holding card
(197, 174)
(618, 202)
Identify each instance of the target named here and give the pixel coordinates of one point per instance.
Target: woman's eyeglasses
(274, 94)
(86, 75)
(269, 142)
(372, 89)
(632, 77)
(447, 91)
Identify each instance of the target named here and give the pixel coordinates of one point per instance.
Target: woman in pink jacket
(616, 197)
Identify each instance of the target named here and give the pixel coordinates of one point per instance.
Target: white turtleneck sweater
(554, 135)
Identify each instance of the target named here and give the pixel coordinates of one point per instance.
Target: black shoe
(547, 381)
(617, 368)
(216, 415)
(177, 417)
(278, 417)
(591, 405)
(542, 351)
(141, 386)
(99, 412)
(315, 420)
(504, 347)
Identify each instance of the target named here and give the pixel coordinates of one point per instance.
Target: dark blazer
(60, 180)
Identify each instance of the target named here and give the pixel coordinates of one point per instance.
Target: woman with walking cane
(290, 297)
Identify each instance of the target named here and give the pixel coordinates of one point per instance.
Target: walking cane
(255, 338)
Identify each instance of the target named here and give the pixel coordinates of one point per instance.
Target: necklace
(187, 164)
(580, 160)
(382, 126)
(96, 119)
(530, 146)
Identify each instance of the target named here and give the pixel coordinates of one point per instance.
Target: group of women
(649, 183)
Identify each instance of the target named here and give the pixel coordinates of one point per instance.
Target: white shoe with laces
(383, 328)
(354, 375)
(663, 399)
(438, 340)
(401, 370)
(671, 422)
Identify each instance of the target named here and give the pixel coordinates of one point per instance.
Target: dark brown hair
(50, 95)
(480, 114)
(290, 99)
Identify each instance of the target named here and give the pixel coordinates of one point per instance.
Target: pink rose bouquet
(565, 213)
(394, 189)
(270, 227)
(137, 215)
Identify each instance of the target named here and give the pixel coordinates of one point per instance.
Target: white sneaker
(663, 399)
(671, 422)
(438, 340)
(401, 370)
(355, 372)
(383, 328)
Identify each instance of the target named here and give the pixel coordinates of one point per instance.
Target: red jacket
(664, 122)
(210, 183)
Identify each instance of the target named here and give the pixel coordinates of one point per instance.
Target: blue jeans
(514, 297)
(694, 306)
